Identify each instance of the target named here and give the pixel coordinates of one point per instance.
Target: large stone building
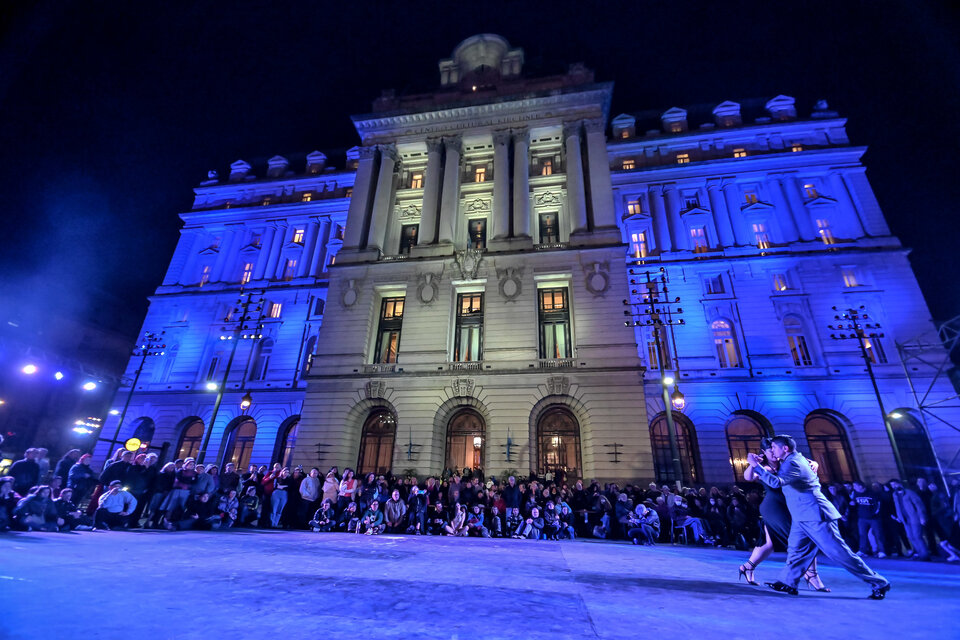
(486, 238)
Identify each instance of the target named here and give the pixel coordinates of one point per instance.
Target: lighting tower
(150, 345)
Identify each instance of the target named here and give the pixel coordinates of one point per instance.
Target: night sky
(110, 113)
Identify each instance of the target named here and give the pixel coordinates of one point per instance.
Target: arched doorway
(914, 447)
(190, 438)
(686, 443)
(376, 443)
(287, 441)
(828, 444)
(466, 440)
(143, 430)
(744, 435)
(240, 443)
(558, 444)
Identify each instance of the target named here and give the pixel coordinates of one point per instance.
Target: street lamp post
(658, 314)
(244, 303)
(148, 347)
(863, 329)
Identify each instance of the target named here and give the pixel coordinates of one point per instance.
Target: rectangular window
(691, 202)
(698, 238)
(750, 196)
(267, 200)
(408, 237)
(468, 344)
(633, 208)
(307, 196)
(713, 284)
(546, 167)
(554, 323)
(799, 351)
(683, 158)
(796, 147)
(388, 332)
(338, 233)
(780, 282)
(213, 369)
(289, 269)
(477, 232)
(664, 361)
(638, 242)
(760, 233)
(247, 273)
(205, 275)
(811, 190)
(850, 278)
(275, 309)
(875, 350)
(628, 164)
(625, 134)
(298, 235)
(740, 152)
(480, 174)
(348, 193)
(823, 228)
(549, 228)
(416, 181)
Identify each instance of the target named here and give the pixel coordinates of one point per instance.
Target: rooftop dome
(486, 55)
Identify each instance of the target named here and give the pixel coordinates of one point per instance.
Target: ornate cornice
(434, 145)
(390, 151)
(501, 136)
(572, 128)
(367, 153)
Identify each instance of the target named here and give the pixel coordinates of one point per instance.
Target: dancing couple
(812, 522)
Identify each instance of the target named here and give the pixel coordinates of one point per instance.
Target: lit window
(698, 237)
(408, 237)
(676, 127)
(811, 190)
(750, 196)
(477, 233)
(638, 243)
(683, 158)
(298, 236)
(691, 202)
(875, 350)
(205, 275)
(549, 228)
(480, 174)
(247, 273)
(633, 207)
(307, 196)
(797, 341)
(761, 236)
(266, 200)
(796, 147)
(780, 282)
(728, 354)
(628, 164)
(823, 228)
(388, 333)
(714, 284)
(625, 134)
(554, 324)
(416, 181)
(348, 193)
(740, 152)
(275, 309)
(850, 278)
(289, 269)
(469, 337)
(546, 167)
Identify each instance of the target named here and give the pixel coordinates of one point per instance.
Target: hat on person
(115, 482)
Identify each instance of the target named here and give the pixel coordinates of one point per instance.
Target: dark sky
(110, 113)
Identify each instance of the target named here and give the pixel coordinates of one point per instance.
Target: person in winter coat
(70, 514)
(309, 495)
(81, 478)
(229, 479)
(475, 526)
(331, 485)
(372, 522)
(325, 519)
(249, 507)
(394, 512)
(644, 526)
(417, 508)
(37, 511)
(228, 509)
(25, 472)
(551, 521)
(62, 469)
(200, 513)
(531, 527)
(912, 514)
(349, 520)
(8, 503)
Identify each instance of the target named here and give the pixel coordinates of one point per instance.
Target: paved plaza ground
(252, 584)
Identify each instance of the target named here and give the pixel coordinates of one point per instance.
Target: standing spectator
(331, 485)
(910, 512)
(867, 506)
(348, 489)
(81, 478)
(229, 479)
(394, 512)
(8, 503)
(511, 495)
(309, 496)
(140, 482)
(162, 486)
(368, 491)
(278, 495)
(43, 461)
(183, 482)
(25, 472)
(207, 480)
(63, 465)
(941, 516)
(114, 507)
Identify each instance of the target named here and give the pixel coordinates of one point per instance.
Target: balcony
(475, 365)
(555, 363)
(386, 367)
(551, 246)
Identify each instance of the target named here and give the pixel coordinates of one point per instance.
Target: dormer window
(676, 127)
(416, 181)
(628, 164)
(691, 202)
(739, 152)
(683, 158)
(624, 134)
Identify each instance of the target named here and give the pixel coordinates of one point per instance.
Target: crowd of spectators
(909, 519)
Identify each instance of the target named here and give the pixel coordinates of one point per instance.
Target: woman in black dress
(776, 521)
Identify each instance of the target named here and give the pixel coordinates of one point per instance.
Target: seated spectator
(514, 520)
(325, 519)
(532, 527)
(567, 518)
(417, 508)
(200, 513)
(551, 521)
(644, 525)
(8, 503)
(494, 523)
(394, 513)
(114, 508)
(681, 518)
(37, 511)
(457, 526)
(475, 524)
(436, 519)
(249, 507)
(372, 522)
(349, 521)
(70, 514)
(228, 508)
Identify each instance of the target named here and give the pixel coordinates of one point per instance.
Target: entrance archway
(914, 447)
(466, 441)
(240, 443)
(744, 435)
(191, 436)
(558, 443)
(686, 443)
(828, 444)
(376, 443)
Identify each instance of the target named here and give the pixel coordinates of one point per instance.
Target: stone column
(309, 246)
(360, 201)
(721, 217)
(223, 252)
(501, 186)
(601, 187)
(383, 199)
(450, 198)
(266, 247)
(522, 224)
(279, 238)
(851, 218)
(431, 194)
(320, 251)
(741, 230)
(678, 233)
(576, 195)
(800, 214)
(785, 216)
(658, 214)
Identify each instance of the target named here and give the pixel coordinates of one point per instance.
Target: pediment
(675, 113)
(695, 211)
(821, 201)
(623, 120)
(727, 108)
(756, 207)
(210, 251)
(293, 245)
(781, 102)
(251, 248)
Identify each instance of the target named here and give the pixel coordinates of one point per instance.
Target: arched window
(915, 452)
(190, 439)
(686, 443)
(261, 361)
(465, 441)
(376, 443)
(287, 443)
(828, 444)
(797, 340)
(240, 444)
(744, 435)
(143, 430)
(725, 343)
(558, 443)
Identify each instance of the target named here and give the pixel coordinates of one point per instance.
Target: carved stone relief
(375, 388)
(462, 387)
(558, 385)
(428, 286)
(511, 282)
(468, 262)
(351, 293)
(478, 205)
(597, 277)
(548, 198)
(410, 211)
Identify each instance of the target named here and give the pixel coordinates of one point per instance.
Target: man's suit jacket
(801, 488)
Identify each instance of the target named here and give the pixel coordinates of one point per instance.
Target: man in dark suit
(814, 521)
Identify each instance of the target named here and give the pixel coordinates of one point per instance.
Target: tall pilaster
(721, 217)
(799, 209)
(501, 185)
(383, 199)
(266, 248)
(450, 199)
(190, 240)
(309, 246)
(224, 252)
(431, 193)
(741, 230)
(657, 211)
(522, 224)
(361, 200)
(601, 187)
(576, 196)
(678, 234)
(279, 238)
(784, 215)
(320, 252)
(851, 218)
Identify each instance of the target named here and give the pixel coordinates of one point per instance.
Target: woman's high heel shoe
(745, 568)
(810, 576)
